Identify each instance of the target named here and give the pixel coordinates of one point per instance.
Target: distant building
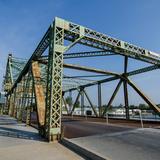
(87, 111)
(78, 111)
(119, 112)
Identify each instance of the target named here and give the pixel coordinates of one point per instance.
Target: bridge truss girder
(27, 87)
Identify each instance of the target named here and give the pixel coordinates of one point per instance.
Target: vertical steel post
(9, 104)
(23, 97)
(39, 96)
(29, 99)
(18, 99)
(14, 102)
(20, 104)
(70, 107)
(32, 100)
(99, 99)
(65, 104)
(126, 88)
(54, 82)
(82, 102)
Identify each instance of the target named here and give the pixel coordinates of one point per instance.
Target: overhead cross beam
(89, 69)
(85, 54)
(85, 68)
(88, 54)
(131, 73)
(105, 42)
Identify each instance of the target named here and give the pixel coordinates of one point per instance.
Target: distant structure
(40, 82)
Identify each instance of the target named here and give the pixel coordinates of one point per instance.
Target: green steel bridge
(40, 80)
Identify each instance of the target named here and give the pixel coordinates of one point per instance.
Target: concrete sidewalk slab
(18, 142)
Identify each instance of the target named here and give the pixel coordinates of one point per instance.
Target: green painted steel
(54, 83)
(18, 81)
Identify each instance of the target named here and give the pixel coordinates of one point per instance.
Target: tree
(108, 108)
(143, 106)
(77, 105)
(133, 106)
(120, 106)
(69, 100)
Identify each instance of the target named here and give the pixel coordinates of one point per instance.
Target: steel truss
(39, 81)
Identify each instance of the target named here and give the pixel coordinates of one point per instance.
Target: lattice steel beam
(82, 54)
(54, 83)
(42, 46)
(104, 42)
(88, 54)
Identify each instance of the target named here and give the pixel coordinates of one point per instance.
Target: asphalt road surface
(137, 144)
(74, 129)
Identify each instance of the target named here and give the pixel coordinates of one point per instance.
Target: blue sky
(23, 23)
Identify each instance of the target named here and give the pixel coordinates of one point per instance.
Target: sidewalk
(18, 142)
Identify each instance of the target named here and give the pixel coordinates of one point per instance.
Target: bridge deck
(133, 144)
(20, 142)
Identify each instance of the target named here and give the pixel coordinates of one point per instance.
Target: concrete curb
(81, 151)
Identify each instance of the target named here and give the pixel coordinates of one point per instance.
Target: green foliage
(108, 109)
(77, 105)
(69, 100)
(143, 106)
(120, 106)
(133, 106)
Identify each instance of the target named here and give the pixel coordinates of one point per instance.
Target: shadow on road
(16, 133)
